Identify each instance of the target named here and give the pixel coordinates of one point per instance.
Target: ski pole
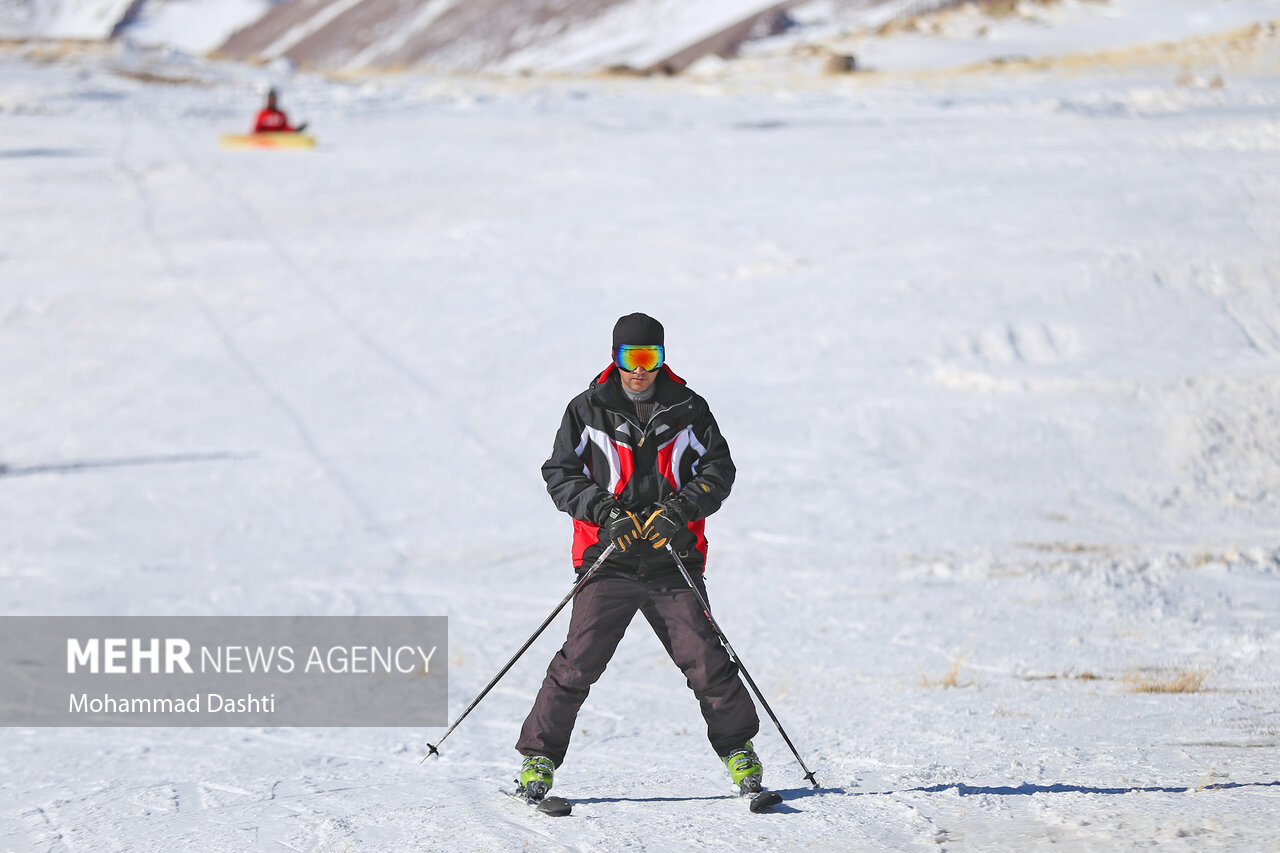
(554, 613)
(706, 611)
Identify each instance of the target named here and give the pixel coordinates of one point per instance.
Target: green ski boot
(745, 769)
(536, 775)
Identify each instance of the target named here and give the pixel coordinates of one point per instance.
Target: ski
(762, 799)
(553, 806)
(765, 800)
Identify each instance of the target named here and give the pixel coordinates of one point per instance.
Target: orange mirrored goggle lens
(629, 357)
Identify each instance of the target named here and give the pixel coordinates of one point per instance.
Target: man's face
(637, 381)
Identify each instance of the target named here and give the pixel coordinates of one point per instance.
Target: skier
(273, 120)
(639, 461)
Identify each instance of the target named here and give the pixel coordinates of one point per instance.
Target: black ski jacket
(601, 450)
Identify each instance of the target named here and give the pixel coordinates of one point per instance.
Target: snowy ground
(997, 359)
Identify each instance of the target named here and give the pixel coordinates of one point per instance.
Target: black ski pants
(602, 610)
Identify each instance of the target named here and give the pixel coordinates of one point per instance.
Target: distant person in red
(273, 120)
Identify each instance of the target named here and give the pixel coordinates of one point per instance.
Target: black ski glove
(618, 525)
(664, 521)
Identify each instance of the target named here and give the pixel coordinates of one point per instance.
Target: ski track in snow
(996, 358)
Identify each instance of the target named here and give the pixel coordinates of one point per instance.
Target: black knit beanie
(637, 329)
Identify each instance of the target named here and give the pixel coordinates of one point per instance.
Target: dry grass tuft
(165, 79)
(951, 678)
(1187, 681)
(1001, 8)
(931, 21)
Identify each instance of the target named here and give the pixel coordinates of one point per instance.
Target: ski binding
(762, 799)
(553, 806)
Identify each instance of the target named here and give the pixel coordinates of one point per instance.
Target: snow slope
(585, 36)
(965, 36)
(61, 19)
(491, 36)
(997, 357)
(969, 35)
(192, 26)
(639, 35)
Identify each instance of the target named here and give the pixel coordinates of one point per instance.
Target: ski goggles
(628, 357)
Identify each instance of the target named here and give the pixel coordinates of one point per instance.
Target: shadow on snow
(92, 464)
(1060, 788)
